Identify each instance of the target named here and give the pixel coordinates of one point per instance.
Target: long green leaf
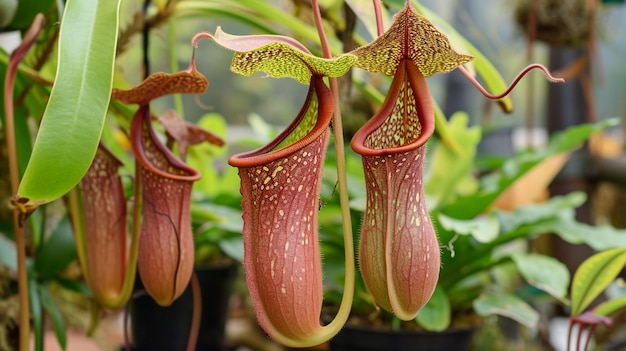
(608, 307)
(594, 275)
(58, 323)
(36, 311)
(72, 123)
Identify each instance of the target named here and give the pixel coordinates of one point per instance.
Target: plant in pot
(74, 163)
(484, 242)
(281, 201)
(217, 255)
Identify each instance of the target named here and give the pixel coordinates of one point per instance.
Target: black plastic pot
(167, 328)
(360, 338)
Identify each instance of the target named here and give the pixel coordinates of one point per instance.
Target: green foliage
(507, 305)
(452, 167)
(436, 314)
(543, 272)
(594, 275)
(70, 129)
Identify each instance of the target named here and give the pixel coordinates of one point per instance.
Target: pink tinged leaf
(104, 208)
(185, 133)
(243, 43)
(280, 185)
(166, 244)
(399, 250)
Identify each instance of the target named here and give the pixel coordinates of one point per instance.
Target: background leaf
(484, 229)
(449, 166)
(57, 252)
(470, 206)
(73, 120)
(594, 275)
(58, 323)
(507, 305)
(435, 315)
(543, 272)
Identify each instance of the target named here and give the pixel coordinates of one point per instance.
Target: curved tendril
(529, 68)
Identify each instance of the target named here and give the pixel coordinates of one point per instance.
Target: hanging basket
(558, 22)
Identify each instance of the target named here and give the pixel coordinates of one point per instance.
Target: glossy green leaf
(435, 315)
(594, 275)
(543, 272)
(507, 305)
(58, 323)
(72, 123)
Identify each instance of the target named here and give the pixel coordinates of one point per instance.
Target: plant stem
(348, 291)
(197, 313)
(379, 17)
(18, 217)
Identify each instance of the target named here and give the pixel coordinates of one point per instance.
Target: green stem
(78, 225)
(348, 292)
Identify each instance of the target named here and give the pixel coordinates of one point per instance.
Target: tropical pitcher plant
(161, 245)
(399, 254)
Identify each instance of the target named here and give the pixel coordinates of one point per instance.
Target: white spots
(267, 180)
(417, 197)
(300, 187)
(272, 267)
(281, 213)
(283, 289)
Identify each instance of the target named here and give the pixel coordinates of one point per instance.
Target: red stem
(9, 84)
(197, 313)
(529, 68)
(379, 17)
